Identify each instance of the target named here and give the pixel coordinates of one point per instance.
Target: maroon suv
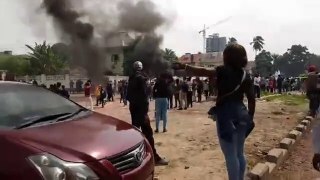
(45, 136)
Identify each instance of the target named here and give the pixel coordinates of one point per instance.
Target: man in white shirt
(256, 83)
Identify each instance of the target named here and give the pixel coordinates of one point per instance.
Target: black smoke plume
(143, 19)
(138, 17)
(84, 52)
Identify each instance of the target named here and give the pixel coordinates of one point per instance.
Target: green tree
(264, 64)
(44, 60)
(232, 40)
(314, 60)
(295, 61)
(298, 57)
(15, 64)
(279, 63)
(257, 44)
(169, 55)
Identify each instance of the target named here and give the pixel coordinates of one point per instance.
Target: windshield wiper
(42, 119)
(71, 115)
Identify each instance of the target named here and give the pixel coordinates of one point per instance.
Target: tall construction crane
(204, 31)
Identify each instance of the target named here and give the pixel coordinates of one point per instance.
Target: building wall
(63, 79)
(214, 43)
(222, 43)
(6, 52)
(208, 60)
(190, 59)
(114, 61)
(114, 51)
(205, 60)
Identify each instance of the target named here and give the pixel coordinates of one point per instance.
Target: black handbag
(251, 126)
(212, 113)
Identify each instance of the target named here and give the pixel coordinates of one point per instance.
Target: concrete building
(113, 55)
(214, 43)
(204, 60)
(208, 60)
(114, 51)
(6, 53)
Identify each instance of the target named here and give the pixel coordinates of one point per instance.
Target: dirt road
(191, 142)
(298, 166)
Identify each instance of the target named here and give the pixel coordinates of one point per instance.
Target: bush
(17, 65)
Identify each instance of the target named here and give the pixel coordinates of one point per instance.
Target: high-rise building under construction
(215, 43)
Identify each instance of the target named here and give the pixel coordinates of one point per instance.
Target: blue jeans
(232, 125)
(161, 112)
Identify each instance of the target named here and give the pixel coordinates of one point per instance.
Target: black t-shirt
(184, 87)
(161, 89)
(200, 86)
(227, 80)
(137, 89)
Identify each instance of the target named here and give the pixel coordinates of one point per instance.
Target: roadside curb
(276, 156)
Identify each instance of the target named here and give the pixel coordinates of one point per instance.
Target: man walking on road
(280, 83)
(206, 89)
(139, 107)
(256, 83)
(177, 88)
(87, 94)
(183, 95)
(199, 90)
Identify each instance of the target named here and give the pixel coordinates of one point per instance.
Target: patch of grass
(266, 93)
(289, 100)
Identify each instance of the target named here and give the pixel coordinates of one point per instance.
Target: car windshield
(21, 103)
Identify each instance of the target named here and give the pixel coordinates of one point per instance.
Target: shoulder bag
(213, 110)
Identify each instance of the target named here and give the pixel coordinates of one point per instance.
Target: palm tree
(44, 60)
(257, 44)
(232, 40)
(169, 55)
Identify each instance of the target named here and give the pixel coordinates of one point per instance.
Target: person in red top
(271, 84)
(87, 94)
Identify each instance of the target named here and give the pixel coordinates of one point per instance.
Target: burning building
(99, 47)
(114, 53)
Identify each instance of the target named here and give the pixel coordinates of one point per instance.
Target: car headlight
(53, 168)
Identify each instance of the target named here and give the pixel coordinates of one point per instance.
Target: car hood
(90, 138)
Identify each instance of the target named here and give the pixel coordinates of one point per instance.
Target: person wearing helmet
(139, 107)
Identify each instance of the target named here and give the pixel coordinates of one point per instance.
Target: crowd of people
(235, 120)
(276, 84)
(57, 88)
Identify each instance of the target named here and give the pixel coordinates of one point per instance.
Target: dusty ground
(298, 166)
(191, 142)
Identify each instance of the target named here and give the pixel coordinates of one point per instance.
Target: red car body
(95, 140)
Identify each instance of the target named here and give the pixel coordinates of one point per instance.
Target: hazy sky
(280, 22)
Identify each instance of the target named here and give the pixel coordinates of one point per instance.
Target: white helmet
(138, 65)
